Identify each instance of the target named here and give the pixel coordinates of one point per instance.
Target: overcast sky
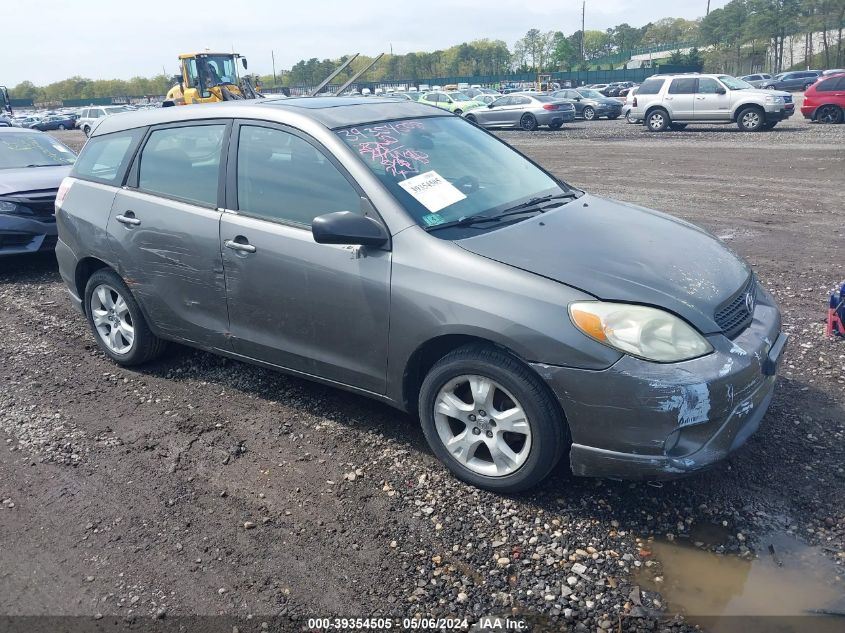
(53, 39)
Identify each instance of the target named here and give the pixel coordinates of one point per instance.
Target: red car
(824, 101)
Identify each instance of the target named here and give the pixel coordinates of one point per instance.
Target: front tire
(528, 122)
(117, 322)
(829, 114)
(657, 120)
(750, 119)
(86, 130)
(589, 113)
(471, 118)
(458, 112)
(491, 420)
(62, 126)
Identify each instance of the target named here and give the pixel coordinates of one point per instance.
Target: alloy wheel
(829, 114)
(589, 113)
(112, 319)
(751, 120)
(482, 425)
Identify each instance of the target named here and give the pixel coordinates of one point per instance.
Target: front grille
(41, 202)
(733, 315)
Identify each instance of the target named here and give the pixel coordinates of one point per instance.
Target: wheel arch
(742, 106)
(824, 105)
(86, 267)
(423, 358)
(653, 107)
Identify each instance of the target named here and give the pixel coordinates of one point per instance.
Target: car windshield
(459, 96)
(443, 169)
(733, 83)
(117, 109)
(591, 94)
(32, 150)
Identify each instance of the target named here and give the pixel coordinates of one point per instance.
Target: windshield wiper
(47, 165)
(532, 206)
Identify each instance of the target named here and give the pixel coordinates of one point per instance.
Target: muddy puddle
(788, 588)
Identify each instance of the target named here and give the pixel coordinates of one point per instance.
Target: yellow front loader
(209, 78)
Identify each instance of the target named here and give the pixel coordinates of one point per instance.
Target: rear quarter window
(650, 87)
(105, 158)
(828, 85)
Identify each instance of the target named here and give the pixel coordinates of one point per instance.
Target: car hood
(14, 181)
(765, 93)
(621, 252)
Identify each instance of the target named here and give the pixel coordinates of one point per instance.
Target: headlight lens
(11, 208)
(641, 331)
(774, 99)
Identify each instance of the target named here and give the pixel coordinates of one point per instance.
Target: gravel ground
(198, 485)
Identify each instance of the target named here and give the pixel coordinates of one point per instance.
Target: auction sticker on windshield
(432, 191)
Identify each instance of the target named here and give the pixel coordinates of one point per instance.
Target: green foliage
(81, 88)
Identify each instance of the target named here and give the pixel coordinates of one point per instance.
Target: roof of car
(332, 112)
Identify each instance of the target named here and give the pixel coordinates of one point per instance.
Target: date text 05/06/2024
(487, 623)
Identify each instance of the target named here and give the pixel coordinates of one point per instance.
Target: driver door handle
(128, 219)
(243, 247)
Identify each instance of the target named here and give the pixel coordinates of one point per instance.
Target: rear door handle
(128, 219)
(243, 246)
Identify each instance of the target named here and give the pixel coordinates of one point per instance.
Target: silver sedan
(526, 111)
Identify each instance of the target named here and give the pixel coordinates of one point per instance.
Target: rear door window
(828, 85)
(105, 158)
(684, 86)
(183, 162)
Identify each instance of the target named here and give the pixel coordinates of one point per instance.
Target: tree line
(743, 36)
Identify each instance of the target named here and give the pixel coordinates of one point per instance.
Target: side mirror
(489, 105)
(345, 227)
(720, 91)
(243, 62)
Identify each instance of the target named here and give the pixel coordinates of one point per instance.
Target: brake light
(551, 106)
(62, 192)
(634, 103)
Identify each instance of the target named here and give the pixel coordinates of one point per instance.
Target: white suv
(672, 101)
(91, 116)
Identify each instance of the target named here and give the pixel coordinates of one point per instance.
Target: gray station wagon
(403, 253)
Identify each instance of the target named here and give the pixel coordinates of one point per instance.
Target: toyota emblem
(749, 302)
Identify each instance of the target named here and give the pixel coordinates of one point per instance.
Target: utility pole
(708, 9)
(273, 57)
(583, 10)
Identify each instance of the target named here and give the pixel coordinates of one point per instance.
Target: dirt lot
(125, 493)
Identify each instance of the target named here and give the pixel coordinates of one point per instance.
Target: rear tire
(86, 130)
(531, 448)
(770, 125)
(829, 114)
(678, 126)
(613, 117)
(750, 119)
(471, 118)
(459, 112)
(62, 126)
(657, 120)
(555, 126)
(528, 122)
(630, 118)
(111, 308)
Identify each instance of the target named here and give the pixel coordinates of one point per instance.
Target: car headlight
(647, 333)
(774, 99)
(13, 208)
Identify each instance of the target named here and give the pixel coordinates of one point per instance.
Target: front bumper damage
(644, 420)
(26, 234)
